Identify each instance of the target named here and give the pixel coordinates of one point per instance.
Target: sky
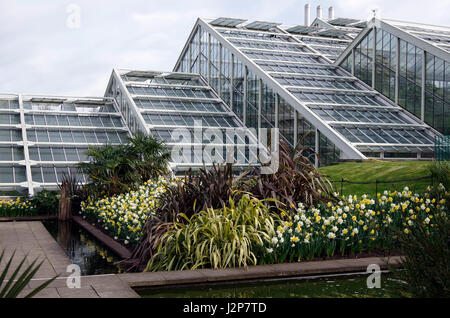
(70, 47)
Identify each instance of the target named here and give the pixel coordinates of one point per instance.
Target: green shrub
(440, 170)
(426, 262)
(117, 169)
(216, 238)
(45, 202)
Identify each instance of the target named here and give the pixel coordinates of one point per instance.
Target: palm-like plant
(150, 156)
(115, 169)
(13, 287)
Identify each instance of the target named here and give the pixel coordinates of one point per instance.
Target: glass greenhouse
(42, 137)
(346, 88)
(292, 78)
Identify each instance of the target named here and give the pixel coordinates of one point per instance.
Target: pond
(82, 248)
(325, 287)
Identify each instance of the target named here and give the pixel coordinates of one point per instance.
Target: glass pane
(113, 137)
(73, 121)
(82, 154)
(6, 175)
(49, 174)
(34, 153)
(63, 121)
(5, 135)
(42, 136)
(58, 154)
(60, 171)
(79, 136)
(51, 120)
(5, 154)
(101, 137)
(18, 153)
(54, 136)
(71, 154)
(66, 136)
(46, 154)
(20, 175)
(36, 174)
(90, 137)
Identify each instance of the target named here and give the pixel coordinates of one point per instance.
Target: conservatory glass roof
(42, 137)
(297, 63)
(438, 36)
(168, 101)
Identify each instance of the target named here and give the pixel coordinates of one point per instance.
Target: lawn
(372, 170)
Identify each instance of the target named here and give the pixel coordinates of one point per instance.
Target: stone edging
(113, 245)
(286, 270)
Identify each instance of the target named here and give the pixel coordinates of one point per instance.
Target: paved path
(33, 239)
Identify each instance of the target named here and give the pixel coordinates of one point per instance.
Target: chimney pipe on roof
(330, 13)
(319, 11)
(307, 14)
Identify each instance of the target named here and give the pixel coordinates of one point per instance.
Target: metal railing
(442, 148)
(380, 182)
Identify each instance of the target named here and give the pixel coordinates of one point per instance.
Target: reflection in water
(349, 286)
(82, 248)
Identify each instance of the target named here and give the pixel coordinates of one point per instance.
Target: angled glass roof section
(260, 25)
(347, 111)
(227, 22)
(302, 29)
(434, 34)
(343, 21)
(160, 103)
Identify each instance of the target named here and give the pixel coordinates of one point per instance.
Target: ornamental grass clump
(296, 180)
(189, 195)
(232, 236)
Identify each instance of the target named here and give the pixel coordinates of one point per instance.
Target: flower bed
(343, 226)
(351, 224)
(18, 207)
(123, 216)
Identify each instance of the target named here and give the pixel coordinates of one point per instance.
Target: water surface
(93, 257)
(348, 286)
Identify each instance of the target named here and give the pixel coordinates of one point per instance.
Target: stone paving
(33, 239)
